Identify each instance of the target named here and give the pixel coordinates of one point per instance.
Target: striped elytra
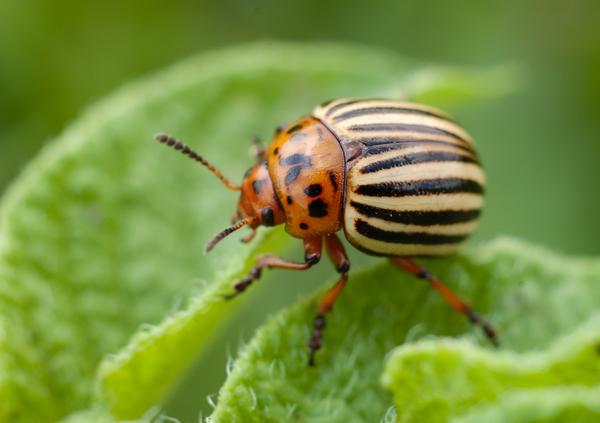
(414, 182)
(400, 179)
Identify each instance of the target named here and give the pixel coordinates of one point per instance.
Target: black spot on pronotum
(303, 226)
(268, 218)
(296, 159)
(276, 151)
(257, 185)
(289, 199)
(294, 129)
(292, 174)
(333, 180)
(297, 137)
(313, 190)
(317, 208)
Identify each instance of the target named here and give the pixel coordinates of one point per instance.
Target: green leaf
(549, 405)
(101, 237)
(156, 357)
(534, 297)
(447, 86)
(437, 380)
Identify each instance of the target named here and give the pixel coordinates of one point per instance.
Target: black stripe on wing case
(388, 127)
(423, 238)
(381, 145)
(387, 109)
(390, 139)
(420, 187)
(340, 105)
(415, 158)
(417, 217)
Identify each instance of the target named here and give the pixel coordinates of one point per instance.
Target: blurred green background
(540, 145)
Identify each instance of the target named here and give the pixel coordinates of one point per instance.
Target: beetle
(401, 179)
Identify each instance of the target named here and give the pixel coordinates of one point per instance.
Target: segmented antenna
(179, 146)
(218, 237)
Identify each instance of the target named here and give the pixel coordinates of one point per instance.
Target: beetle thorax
(307, 166)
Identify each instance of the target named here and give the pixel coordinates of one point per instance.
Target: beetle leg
(249, 237)
(451, 298)
(337, 254)
(312, 255)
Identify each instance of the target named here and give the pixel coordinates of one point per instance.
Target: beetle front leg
(312, 255)
(337, 254)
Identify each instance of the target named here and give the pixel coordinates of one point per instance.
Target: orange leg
(312, 255)
(337, 254)
(451, 298)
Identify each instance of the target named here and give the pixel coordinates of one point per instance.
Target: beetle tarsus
(316, 338)
(489, 330)
(243, 284)
(228, 297)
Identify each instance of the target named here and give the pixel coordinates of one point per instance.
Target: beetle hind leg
(451, 298)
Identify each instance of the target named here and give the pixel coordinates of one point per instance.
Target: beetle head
(258, 200)
(258, 205)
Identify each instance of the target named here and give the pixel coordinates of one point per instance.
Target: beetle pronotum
(400, 179)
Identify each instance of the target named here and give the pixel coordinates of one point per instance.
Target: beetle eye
(268, 219)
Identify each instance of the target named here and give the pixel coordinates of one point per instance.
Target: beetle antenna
(225, 232)
(179, 146)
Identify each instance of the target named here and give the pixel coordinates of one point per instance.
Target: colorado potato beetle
(401, 180)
